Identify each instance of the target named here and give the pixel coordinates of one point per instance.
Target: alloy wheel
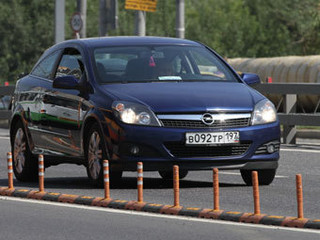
(94, 155)
(19, 150)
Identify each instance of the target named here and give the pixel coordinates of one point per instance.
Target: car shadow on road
(158, 183)
(124, 183)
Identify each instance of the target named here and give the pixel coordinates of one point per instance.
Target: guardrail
(289, 118)
(8, 90)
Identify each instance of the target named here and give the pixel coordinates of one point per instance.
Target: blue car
(161, 101)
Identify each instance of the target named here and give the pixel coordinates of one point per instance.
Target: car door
(31, 89)
(61, 109)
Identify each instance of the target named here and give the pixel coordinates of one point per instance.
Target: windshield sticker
(172, 78)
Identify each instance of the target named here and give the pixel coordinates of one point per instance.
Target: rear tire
(95, 154)
(265, 176)
(168, 175)
(25, 165)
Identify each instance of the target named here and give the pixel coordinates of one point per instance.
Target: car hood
(166, 97)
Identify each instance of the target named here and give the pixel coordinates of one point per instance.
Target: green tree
(26, 31)
(287, 27)
(234, 28)
(225, 25)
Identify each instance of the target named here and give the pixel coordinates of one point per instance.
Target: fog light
(270, 148)
(134, 150)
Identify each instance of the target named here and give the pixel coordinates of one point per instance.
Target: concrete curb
(164, 209)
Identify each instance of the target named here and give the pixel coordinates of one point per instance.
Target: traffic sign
(142, 5)
(76, 22)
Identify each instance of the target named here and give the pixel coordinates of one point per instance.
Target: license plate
(212, 138)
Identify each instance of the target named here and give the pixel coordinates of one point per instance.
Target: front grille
(180, 150)
(241, 122)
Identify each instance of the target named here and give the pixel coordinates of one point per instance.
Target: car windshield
(159, 63)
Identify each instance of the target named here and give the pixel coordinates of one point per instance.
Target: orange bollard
(176, 186)
(256, 196)
(106, 179)
(10, 170)
(216, 205)
(299, 195)
(41, 173)
(140, 181)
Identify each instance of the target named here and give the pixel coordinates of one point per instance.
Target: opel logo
(207, 119)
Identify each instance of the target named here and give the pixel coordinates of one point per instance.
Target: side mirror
(250, 78)
(66, 82)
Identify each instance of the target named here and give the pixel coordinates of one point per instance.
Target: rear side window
(45, 68)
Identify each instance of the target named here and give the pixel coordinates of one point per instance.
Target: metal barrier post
(106, 179)
(216, 205)
(299, 195)
(256, 196)
(176, 185)
(289, 131)
(41, 173)
(10, 170)
(140, 181)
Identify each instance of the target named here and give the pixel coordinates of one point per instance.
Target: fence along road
(288, 94)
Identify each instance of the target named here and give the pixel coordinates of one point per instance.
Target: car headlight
(133, 113)
(264, 112)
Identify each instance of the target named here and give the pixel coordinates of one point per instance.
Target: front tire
(25, 165)
(95, 154)
(265, 176)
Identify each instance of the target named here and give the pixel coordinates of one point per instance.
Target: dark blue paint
(161, 97)
(188, 96)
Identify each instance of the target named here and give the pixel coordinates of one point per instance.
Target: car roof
(133, 40)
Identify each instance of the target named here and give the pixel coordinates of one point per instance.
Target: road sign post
(180, 30)
(108, 16)
(59, 20)
(76, 23)
(82, 9)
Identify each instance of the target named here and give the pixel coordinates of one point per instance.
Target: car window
(159, 63)
(70, 64)
(111, 65)
(207, 65)
(45, 68)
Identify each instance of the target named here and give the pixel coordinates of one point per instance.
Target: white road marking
(238, 174)
(299, 150)
(7, 138)
(280, 176)
(136, 213)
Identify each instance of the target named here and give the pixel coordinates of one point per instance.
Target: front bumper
(152, 146)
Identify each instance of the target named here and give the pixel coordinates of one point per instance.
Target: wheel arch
(89, 122)
(13, 122)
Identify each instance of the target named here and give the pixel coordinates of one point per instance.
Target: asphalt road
(196, 191)
(34, 220)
